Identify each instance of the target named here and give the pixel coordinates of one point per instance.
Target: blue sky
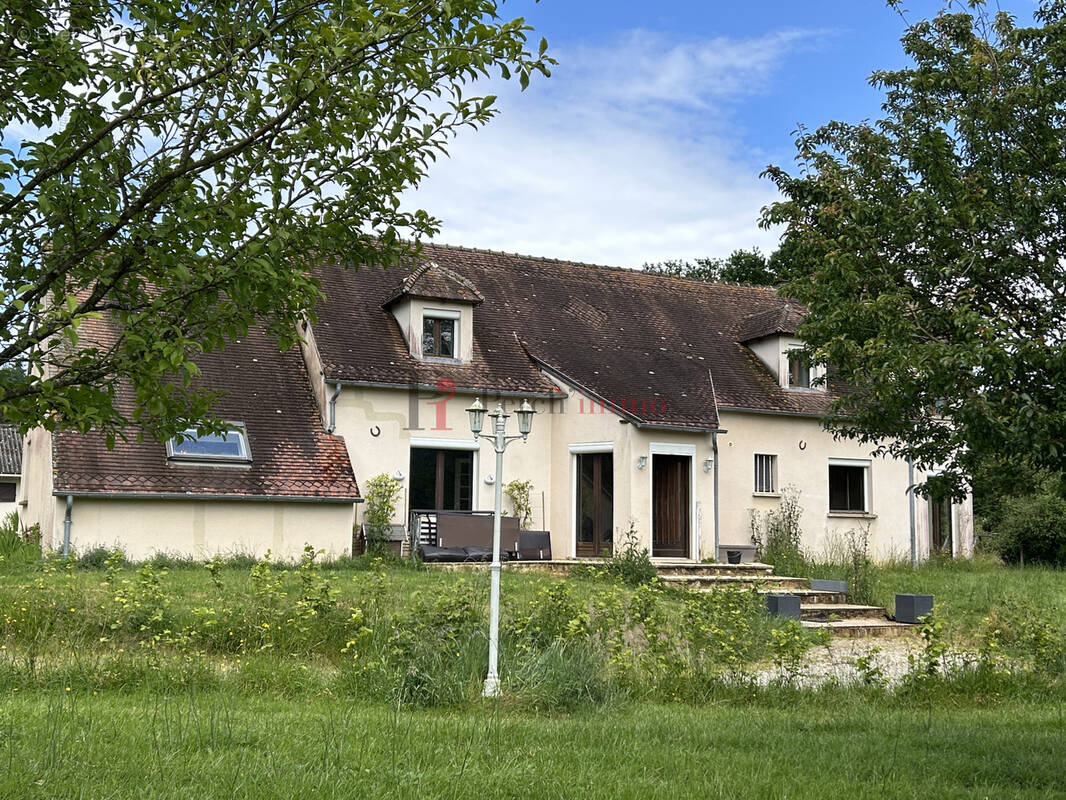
(647, 142)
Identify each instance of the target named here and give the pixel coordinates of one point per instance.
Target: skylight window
(230, 446)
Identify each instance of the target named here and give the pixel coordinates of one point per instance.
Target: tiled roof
(360, 341)
(652, 343)
(435, 282)
(783, 320)
(10, 450)
(292, 456)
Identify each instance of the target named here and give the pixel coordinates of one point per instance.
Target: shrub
(629, 562)
(1032, 528)
(777, 535)
(858, 569)
(94, 559)
(382, 492)
(518, 492)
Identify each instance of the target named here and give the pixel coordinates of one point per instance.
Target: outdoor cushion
(443, 554)
(482, 554)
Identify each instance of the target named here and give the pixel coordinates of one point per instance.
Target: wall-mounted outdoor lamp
(708, 463)
(642, 462)
(398, 475)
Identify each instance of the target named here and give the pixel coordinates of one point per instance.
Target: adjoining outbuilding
(274, 481)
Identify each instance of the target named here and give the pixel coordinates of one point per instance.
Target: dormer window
(439, 335)
(231, 446)
(434, 308)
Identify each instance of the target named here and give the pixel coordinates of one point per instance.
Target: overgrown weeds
(629, 561)
(777, 535)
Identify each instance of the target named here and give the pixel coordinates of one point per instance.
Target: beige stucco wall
(803, 451)
(38, 505)
(427, 419)
(202, 528)
(380, 426)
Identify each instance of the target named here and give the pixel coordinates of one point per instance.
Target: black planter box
(912, 607)
(829, 586)
(783, 605)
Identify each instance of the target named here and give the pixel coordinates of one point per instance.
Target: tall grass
(372, 631)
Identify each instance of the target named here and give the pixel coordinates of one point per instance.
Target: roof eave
(266, 498)
(540, 395)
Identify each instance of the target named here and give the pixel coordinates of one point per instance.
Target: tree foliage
(171, 164)
(938, 235)
(745, 267)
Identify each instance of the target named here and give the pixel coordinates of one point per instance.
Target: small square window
(849, 488)
(7, 491)
(438, 337)
(765, 473)
(231, 445)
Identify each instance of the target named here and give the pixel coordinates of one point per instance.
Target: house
(275, 481)
(665, 406)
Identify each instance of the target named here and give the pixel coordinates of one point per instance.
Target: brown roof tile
(10, 450)
(785, 319)
(651, 343)
(435, 282)
(292, 456)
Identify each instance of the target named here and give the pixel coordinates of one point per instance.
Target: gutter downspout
(333, 407)
(910, 494)
(66, 525)
(714, 452)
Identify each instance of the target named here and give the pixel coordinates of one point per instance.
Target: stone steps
(775, 582)
(863, 627)
(689, 569)
(831, 612)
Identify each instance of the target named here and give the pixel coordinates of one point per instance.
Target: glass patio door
(595, 504)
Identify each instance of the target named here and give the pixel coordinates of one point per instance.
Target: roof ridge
(592, 265)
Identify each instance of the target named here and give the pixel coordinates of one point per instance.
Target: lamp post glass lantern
(499, 438)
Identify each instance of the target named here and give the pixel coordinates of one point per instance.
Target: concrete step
(861, 628)
(777, 583)
(823, 612)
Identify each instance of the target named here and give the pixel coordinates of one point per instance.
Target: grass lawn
(200, 745)
(965, 592)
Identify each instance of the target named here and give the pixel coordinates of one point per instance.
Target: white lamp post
(500, 440)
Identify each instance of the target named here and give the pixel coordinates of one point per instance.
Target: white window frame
(442, 313)
(867, 486)
(773, 490)
(190, 458)
(815, 373)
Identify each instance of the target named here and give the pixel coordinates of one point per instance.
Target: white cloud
(627, 154)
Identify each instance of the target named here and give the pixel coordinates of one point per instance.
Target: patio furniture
(534, 546)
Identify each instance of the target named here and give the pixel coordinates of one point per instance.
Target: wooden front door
(595, 504)
(671, 480)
